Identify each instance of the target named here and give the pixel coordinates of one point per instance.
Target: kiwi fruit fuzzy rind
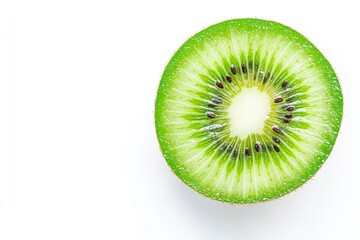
(222, 30)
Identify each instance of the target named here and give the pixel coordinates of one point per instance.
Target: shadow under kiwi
(219, 220)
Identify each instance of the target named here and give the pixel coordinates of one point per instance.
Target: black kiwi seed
(257, 147)
(247, 152)
(222, 148)
(289, 115)
(228, 78)
(233, 69)
(234, 153)
(287, 120)
(276, 148)
(219, 84)
(277, 140)
(211, 114)
(243, 68)
(285, 84)
(276, 129)
(290, 108)
(211, 105)
(266, 77)
(278, 100)
(229, 149)
(216, 100)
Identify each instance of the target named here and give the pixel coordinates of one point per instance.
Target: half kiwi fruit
(247, 110)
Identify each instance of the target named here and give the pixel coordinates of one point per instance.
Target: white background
(79, 157)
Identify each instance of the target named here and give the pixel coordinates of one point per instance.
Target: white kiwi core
(248, 112)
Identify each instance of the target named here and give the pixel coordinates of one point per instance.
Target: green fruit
(247, 110)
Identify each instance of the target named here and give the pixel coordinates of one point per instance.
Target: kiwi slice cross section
(247, 110)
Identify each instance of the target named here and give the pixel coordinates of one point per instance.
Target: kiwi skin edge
(167, 155)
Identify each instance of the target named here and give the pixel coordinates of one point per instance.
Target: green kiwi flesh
(194, 106)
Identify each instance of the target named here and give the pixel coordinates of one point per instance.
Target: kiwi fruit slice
(247, 110)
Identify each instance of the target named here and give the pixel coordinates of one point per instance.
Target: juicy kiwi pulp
(247, 110)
